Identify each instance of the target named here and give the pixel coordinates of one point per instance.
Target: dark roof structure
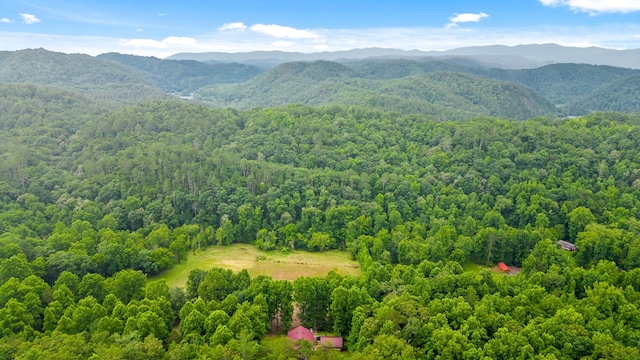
(566, 245)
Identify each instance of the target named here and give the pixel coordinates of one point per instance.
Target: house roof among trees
(301, 332)
(334, 341)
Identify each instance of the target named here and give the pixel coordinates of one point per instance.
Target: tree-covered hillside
(183, 76)
(441, 95)
(565, 83)
(384, 83)
(446, 88)
(399, 68)
(83, 74)
(559, 83)
(621, 95)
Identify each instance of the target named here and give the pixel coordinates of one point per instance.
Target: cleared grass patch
(473, 267)
(275, 264)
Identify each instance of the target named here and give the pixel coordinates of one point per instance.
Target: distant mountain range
(445, 87)
(515, 57)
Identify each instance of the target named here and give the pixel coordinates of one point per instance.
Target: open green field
(275, 264)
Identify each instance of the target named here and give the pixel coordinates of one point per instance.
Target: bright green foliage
(93, 200)
(193, 324)
(579, 218)
(127, 285)
(221, 336)
(215, 319)
(15, 317)
(313, 296)
(213, 287)
(389, 347)
(157, 289)
(343, 303)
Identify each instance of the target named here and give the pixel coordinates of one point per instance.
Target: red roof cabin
(503, 267)
(301, 332)
(333, 341)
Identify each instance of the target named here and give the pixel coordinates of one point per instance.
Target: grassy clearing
(473, 267)
(275, 264)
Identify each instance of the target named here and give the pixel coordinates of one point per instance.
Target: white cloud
(286, 32)
(169, 42)
(579, 44)
(6, 21)
(281, 44)
(466, 17)
(234, 26)
(596, 6)
(139, 30)
(29, 19)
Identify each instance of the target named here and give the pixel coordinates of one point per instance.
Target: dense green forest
(94, 199)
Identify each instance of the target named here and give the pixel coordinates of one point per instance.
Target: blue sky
(161, 28)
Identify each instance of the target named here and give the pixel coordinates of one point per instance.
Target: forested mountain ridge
(464, 88)
(83, 74)
(183, 76)
(565, 84)
(377, 83)
(442, 95)
(560, 83)
(621, 95)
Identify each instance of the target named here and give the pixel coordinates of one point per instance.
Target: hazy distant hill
(553, 53)
(560, 83)
(183, 76)
(441, 94)
(270, 59)
(521, 56)
(92, 77)
(398, 68)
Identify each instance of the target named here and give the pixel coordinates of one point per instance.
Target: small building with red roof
(503, 267)
(301, 332)
(333, 341)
